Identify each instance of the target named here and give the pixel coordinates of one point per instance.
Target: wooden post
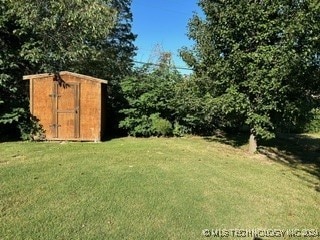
(252, 142)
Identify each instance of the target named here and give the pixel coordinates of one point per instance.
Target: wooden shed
(69, 106)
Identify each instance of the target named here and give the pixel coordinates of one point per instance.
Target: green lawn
(154, 188)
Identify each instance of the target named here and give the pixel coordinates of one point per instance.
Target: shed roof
(27, 77)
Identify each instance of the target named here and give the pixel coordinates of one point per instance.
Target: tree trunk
(252, 143)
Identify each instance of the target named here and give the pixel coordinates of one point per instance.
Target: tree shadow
(234, 140)
(9, 133)
(293, 150)
(297, 152)
(57, 78)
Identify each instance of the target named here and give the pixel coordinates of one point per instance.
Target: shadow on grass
(297, 152)
(9, 135)
(293, 150)
(235, 140)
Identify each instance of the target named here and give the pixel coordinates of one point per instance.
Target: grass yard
(154, 188)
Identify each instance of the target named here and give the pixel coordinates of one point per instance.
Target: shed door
(65, 110)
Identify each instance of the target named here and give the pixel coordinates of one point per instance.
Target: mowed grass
(154, 188)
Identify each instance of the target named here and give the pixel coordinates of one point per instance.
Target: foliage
(313, 126)
(180, 130)
(120, 49)
(160, 126)
(147, 126)
(12, 91)
(150, 95)
(193, 113)
(118, 61)
(30, 128)
(57, 36)
(179, 100)
(257, 61)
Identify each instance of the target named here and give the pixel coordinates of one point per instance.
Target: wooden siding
(90, 113)
(41, 102)
(69, 110)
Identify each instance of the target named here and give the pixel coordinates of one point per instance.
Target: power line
(169, 10)
(155, 64)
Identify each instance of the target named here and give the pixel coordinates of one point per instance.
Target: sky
(161, 25)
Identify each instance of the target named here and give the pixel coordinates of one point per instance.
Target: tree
(150, 94)
(258, 60)
(88, 36)
(117, 61)
(116, 49)
(12, 93)
(60, 33)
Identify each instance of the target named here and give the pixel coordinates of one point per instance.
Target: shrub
(313, 126)
(160, 126)
(137, 127)
(149, 95)
(180, 130)
(31, 129)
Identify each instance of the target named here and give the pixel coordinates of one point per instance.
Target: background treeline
(160, 101)
(256, 66)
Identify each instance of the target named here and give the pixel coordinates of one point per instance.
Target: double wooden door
(65, 110)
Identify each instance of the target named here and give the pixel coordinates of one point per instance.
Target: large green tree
(87, 36)
(58, 34)
(116, 51)
(258, 60)
(117, 60)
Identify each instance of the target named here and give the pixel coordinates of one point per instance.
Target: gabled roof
(27, 77)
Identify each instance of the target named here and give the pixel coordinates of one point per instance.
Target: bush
(313, 126)
(31, 129)
(137, 127)
(146, 126)
(157, 98)
(180, 130)
(160, 126)
(149, 95)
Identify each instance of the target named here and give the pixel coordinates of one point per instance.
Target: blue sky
(162, 23)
